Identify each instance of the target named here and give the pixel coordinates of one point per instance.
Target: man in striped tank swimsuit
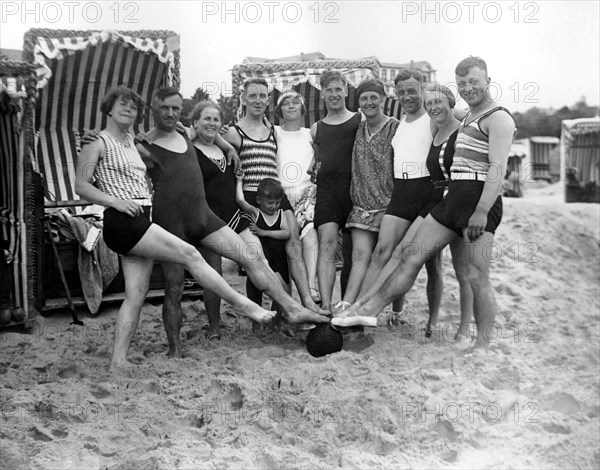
(254, 139)
(473, 207)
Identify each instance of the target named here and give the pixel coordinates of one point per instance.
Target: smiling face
(256, 98)
(437, 106)
(167, 112)
(124, 111)
(334, 95)
(291, 109)
(268, 205)
(473, 87)
(208, 124)
(370, 104)
(409, 93)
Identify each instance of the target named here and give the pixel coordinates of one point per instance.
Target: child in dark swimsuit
(271, 228)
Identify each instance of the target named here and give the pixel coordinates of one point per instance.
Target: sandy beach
(389, 399)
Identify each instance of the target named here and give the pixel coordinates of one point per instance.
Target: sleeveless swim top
(440, 158)
(411, 146)
(334, 152)
(120, 172)
(257, 159)
(473, 146)
(179, 204)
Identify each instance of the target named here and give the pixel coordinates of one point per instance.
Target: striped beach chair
(79, 66)
(303, 77)
(580, 159)
(77, 69)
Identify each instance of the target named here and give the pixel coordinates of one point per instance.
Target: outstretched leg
(227, 243)
(165, 246)
(391, 232)
(430, 238)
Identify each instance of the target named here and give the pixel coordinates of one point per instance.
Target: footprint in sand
(556, 428)
(445, 430)
(99, 392)
(233, 399)
(564, 403)
(70, 372)
(230, 396)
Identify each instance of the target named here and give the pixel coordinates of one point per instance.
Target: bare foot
(312, 305)
(257, 313)
(348, 310)
(354, 320)
(340, 308)
(463, 333)
(303, 315)
(122, 369)
(214, 333)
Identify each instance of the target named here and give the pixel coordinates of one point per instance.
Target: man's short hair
(269, 188)
(331, 76)
(444, 90)
(465, 65)
(122, 92)
(164, 93)
(407, 74)
(255, 81)
(287, 96)
(197, 111)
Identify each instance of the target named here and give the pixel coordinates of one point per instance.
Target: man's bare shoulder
(499, 121)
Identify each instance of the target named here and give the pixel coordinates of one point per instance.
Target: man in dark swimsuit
(334, 139)
(179, 205)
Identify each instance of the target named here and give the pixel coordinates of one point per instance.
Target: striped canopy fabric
(287, 79)
(17, 222)
(79, 67)
(581, 147)
(303, 77)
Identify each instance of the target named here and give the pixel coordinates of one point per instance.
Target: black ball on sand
(323, 340)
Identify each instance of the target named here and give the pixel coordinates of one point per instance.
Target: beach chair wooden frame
(20, 195)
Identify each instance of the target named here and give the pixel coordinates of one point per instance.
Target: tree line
(547, 122)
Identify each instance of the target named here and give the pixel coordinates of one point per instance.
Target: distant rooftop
(421, 65)
(413, 64)
(542, 139)
(311, 56)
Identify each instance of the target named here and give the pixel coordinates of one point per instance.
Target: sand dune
(389, 399)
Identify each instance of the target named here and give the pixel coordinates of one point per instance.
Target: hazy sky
(542, 53)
